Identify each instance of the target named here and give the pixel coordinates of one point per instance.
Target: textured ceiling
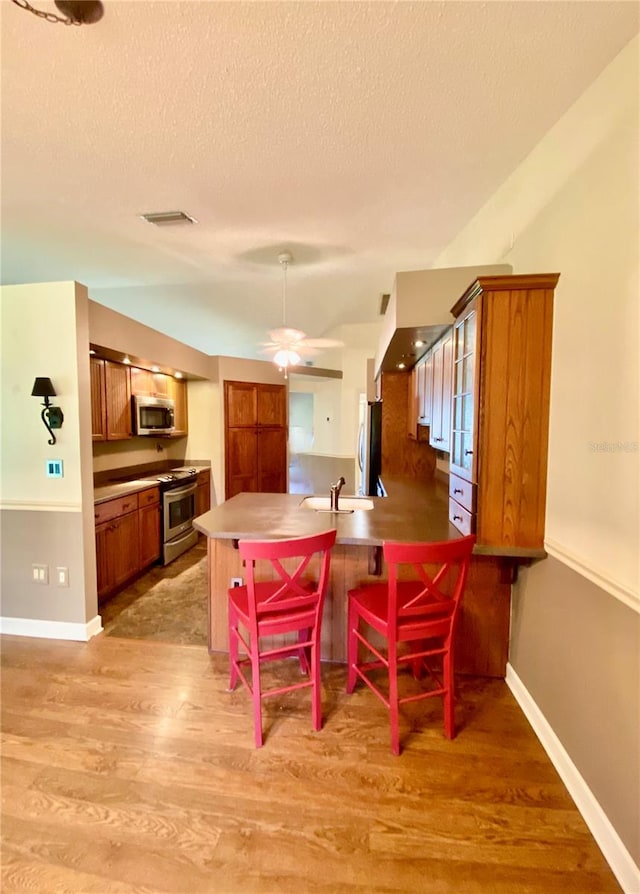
(359, 136)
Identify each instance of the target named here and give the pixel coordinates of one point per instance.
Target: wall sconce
(51, 416)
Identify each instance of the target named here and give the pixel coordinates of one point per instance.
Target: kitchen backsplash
(136, 452)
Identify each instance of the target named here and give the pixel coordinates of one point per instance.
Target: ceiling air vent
(384, 302)
(166, 218)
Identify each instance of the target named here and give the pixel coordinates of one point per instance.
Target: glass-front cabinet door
(463, 459)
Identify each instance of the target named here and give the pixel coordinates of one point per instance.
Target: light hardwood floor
(128, 767)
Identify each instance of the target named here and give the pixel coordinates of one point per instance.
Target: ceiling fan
(288, 346)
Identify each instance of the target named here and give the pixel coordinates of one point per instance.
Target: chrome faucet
(335, 493)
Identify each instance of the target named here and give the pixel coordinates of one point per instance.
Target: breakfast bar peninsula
(500, 348)
(411, 512)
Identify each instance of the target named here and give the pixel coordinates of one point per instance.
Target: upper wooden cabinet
(252, 403)
(178, 393)
(255, 438)
(502, 374)
(419, 411)
(98, 400)
(110, 400)
(112, 386)
(441, 390)
(272, 405)
(412, 404)
(425, 388)
(150, 384)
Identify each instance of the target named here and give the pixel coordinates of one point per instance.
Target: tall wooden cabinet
(255, 438)
(501, 382)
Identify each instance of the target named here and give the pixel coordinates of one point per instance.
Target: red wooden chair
(416, 617)
(281, 602)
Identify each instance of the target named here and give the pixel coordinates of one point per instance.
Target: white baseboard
(607, 839)
(51, 629)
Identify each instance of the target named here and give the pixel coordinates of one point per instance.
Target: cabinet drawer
(463, 492)
(149, 497)
(113, 508)
(460, 518)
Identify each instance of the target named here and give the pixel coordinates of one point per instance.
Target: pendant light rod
(285, 259)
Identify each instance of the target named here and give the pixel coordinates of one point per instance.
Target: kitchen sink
(345, 504)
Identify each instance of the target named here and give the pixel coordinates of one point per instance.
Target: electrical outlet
(62, 577)
(236, 582)
(40, 574)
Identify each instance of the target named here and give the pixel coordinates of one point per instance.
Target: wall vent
(166, 218)
(384, 303)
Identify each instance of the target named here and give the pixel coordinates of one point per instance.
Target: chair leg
(449, 696)
(316, 688)
(233, 648)
(394, 713)
(256, 694)
(352, 646)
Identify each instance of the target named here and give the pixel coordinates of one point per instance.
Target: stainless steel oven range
(178, 490)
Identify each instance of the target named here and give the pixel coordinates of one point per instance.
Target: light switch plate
(54, 468)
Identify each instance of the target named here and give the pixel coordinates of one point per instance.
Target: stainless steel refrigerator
(370, 450)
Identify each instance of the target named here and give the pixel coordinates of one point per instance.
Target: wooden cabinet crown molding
(526, 282)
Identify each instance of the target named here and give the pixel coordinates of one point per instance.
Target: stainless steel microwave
(153, 415)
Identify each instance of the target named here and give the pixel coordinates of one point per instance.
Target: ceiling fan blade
(286, 336)
(269, 348)
(321, 343)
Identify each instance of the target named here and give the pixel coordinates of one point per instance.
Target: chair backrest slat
(426, 594)
(290, 590)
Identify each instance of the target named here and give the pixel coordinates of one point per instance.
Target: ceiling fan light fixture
(286, 357)
(81, 12)
(288, 345)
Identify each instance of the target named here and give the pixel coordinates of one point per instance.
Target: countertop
(135, 485)
(411, 512)
(122, 489)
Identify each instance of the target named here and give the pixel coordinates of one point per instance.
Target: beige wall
(572, 207)
(576, 650)
(119, 333)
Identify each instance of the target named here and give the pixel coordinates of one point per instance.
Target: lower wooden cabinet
(203, 492)
(127, 538)
(256, 461)
(149, 526)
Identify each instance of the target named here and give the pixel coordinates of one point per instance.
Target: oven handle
(181, 491)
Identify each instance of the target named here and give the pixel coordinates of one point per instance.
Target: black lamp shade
(43, 388)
